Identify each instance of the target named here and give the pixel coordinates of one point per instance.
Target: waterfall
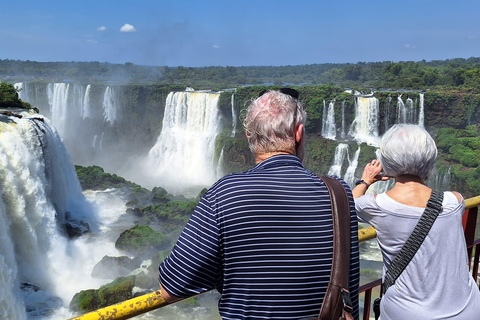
(50, 96)
(340, 151)
(328, 124)
(421, 112)
(40, 192)
(343, 134)
(109, 106)
(410, 108)
(59, 106)
(22, 91)
(352, 166)
(365, 126)
(183, 154)
(219, 168)
(234, 116)
(387, 111)
(401, 110)
(86, 103)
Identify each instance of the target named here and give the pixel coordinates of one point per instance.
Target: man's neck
(264, 156)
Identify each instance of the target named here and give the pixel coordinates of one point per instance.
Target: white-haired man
(263, 238)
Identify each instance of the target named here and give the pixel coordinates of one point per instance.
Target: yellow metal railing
(149, 302)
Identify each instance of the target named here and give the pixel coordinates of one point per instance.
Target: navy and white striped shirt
(264, 239)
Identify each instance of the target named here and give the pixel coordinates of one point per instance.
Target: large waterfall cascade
(40, 191)
(184, 153)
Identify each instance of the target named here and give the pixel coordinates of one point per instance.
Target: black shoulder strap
(337, 297)
(413, 243)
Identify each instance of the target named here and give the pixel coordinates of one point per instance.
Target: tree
(9, 96)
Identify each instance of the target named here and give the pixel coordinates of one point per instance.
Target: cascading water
(86, 113)
(109, 106)
(421, 112)
(234, 116)
(365, 125)
(183, 154)
(329, 130)
(340, 152)
(40, 194)
(352, 166)
(59, 106)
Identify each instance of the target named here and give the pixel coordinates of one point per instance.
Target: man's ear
(299, 133)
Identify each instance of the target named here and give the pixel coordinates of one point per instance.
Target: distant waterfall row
(365, 128)
(113, 128)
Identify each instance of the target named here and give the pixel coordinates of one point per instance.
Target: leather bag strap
(413, 243)
(332, 306)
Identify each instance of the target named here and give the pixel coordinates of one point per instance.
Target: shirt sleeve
(194, 265)
(361, 204)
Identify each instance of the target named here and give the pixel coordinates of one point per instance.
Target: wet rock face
(74, 227)
(113, 267)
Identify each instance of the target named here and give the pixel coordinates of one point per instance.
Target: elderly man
(263, 238)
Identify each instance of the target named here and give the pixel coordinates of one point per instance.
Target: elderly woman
(436, 284)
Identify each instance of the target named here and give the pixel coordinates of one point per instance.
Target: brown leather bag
(336, 302)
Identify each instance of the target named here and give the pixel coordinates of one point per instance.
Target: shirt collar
(279, 160)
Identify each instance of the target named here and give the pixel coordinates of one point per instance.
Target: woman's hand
(371, 174)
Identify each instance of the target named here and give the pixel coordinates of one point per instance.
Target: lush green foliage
(387, 74)
(460, 150)
(9, 97)
(95, 178)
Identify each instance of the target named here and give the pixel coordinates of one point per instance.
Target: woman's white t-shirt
(437, 283)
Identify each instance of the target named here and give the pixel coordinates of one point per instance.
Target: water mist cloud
(102, 28)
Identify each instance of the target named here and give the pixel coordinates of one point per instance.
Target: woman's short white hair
(269, 122)
(407, 149)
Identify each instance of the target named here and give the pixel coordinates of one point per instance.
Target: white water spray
(365, 126)
(39, 190)
(183, 154)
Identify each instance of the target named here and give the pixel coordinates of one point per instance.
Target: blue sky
(238, 33)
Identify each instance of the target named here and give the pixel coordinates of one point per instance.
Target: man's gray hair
(269, 122)
(407, 149)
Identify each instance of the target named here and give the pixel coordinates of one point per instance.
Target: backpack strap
(337, 296)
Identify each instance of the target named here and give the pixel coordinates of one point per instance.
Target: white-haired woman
(436, 284)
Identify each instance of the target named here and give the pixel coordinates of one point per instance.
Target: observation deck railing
(152, 301)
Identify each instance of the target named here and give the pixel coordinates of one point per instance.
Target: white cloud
(127, 28)
(215, 46)
(92, 41)
(102, 28)
(410, 46)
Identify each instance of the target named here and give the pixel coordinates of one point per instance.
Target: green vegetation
(9, 97)
(458, 72)
(117, 291)
(94, 178)
(459, 150)
(140, 240)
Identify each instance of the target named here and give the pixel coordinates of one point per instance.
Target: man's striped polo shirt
(264, 239)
